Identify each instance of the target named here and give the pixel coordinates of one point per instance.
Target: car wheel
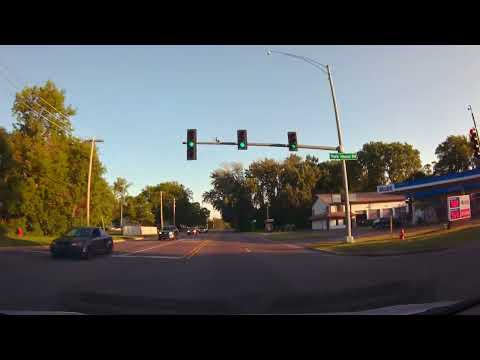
(109, 249)
(88, 254)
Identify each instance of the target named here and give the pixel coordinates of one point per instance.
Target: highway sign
(343, 156)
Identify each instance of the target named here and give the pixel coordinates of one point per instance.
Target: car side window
(96, 233)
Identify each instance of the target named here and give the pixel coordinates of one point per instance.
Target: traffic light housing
(242, 142)
(192, 144)
(292, 141)
(474, 142)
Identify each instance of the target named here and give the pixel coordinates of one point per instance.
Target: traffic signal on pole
(192, 144)
(242, 142)
(292, 141)
(474, 142)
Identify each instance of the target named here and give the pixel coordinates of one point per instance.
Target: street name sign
(343, 156)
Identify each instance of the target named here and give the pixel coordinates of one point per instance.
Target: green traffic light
(242, 145)
(191, 143)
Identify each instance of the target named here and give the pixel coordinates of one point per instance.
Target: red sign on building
(458, 207)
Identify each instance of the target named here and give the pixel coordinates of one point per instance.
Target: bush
(3, 230)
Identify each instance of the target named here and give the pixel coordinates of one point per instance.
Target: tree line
(44, 172)
(144, 209)
(288, 187)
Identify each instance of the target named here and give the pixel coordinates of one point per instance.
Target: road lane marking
(152, 247)
(197, 249)
(148, 256)
(293, 246)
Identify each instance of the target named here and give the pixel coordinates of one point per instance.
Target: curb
(335, 253)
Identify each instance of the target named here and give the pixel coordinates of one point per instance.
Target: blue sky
(141, 100)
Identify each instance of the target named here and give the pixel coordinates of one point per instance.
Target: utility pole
(121, 212)
(174, 206)
(161, 209)
(93, 141)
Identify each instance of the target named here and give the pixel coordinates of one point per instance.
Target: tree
(454, 155)
(120, 190)
(231, 195)
(49, 180)
(387, 163)
(33, 105)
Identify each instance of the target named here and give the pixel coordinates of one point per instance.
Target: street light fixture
(326, 70)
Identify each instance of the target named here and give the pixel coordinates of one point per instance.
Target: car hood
(34, 312)
(406, 309)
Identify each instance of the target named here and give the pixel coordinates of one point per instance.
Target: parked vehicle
(84, 242)
(169, 232)
(384, 223)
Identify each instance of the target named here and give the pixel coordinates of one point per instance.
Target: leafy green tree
(51, 166)
(120, 191)
(386, 163)
(231, 195)
(454, 155)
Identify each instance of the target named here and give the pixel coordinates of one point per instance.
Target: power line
(7, 70)
(63, 127)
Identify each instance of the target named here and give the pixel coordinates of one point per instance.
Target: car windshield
(80, 232)
(359, 180)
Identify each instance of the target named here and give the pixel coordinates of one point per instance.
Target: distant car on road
(84, 242)
(384, 223)
(169, 232)
(203, 230)
(193, 231)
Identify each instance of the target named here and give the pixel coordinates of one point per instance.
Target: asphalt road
(230, 273)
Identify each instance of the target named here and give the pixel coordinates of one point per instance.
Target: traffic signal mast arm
(314, 147)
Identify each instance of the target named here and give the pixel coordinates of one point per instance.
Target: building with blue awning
(427, 196)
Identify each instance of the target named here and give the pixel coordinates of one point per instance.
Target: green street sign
(343, 156)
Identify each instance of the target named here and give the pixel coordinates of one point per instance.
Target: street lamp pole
(326, 70)
(344, 163)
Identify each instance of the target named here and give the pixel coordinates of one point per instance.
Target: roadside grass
(10, 239)
(421, 240)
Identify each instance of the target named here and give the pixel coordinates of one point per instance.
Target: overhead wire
(60, 126)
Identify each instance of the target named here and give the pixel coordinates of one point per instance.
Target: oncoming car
(169, 232)
(84, 242)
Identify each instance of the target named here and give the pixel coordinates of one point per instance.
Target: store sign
(458, 207)
(385, 188)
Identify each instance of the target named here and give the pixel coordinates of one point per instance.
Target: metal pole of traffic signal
(473, 118)
(344, 164)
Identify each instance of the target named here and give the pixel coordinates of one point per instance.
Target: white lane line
(147, 256)
(152, 247)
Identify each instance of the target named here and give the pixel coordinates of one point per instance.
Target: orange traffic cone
(402, 234)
